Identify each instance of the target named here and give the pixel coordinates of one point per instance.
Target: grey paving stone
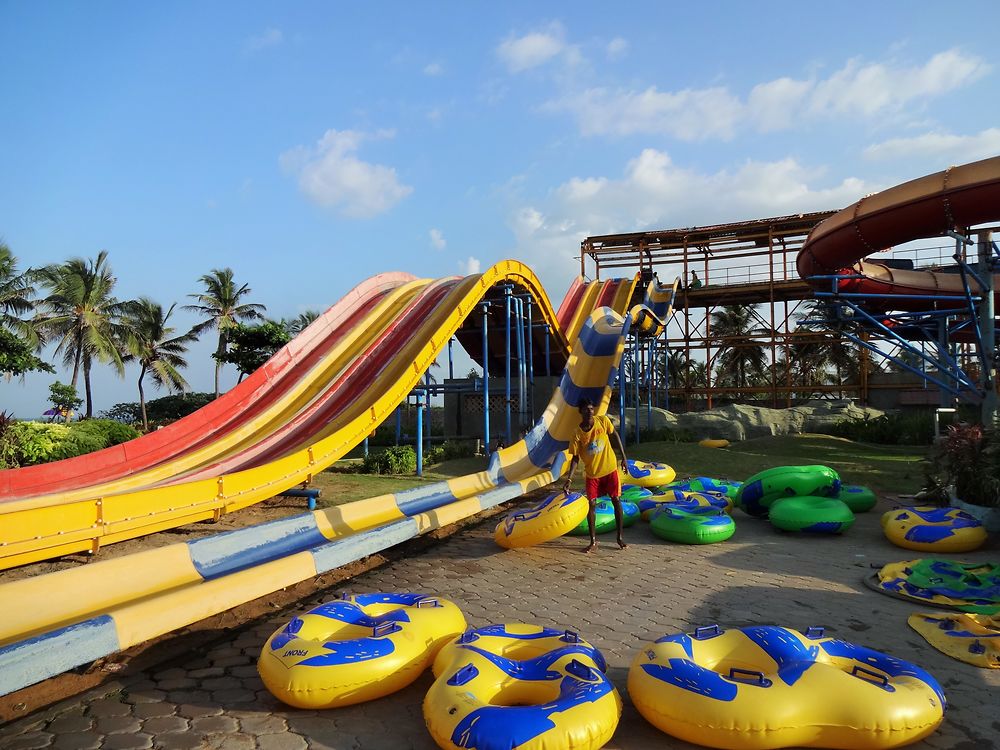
(77, 741)
(282, 741)
(178, 683)
(153, 710)
(198, 710)
(232, 742)
(117, 724)
(233, 696)
(201, 674)
(214, 725)
(131, 741)
(165, 725)
(145, 694)
(263, 724)
(70, 724)
(108, 707)
(180, 741)
(27, 741)
(188, 696)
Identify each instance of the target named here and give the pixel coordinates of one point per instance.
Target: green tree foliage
(83, 316)
(741, 359)
(151, 342)
(17, 291)
(63, 397)
(17, 357)
(399, 459)
(251, 346)
(160, 411)
(298, 324)
(220, 304)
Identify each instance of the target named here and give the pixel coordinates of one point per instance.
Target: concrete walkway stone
(213, 700)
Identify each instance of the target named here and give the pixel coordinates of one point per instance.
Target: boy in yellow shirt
(596, 442)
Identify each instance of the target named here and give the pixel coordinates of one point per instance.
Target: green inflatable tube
(764, 488)
(817, 515)
(703, 484)
(704, 525)
(604, 517)
(859, 499)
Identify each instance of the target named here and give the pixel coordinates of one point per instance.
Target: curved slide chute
(352, 384)
(57, 621)
(954, 199)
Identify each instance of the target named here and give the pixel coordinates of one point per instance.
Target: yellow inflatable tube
(649, 473)
(521, 687)
(710, 443)
(771, 687)
(356, 649)
(549, 519)
(928, 528)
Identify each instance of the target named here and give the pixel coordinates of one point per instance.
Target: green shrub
(895, 428)
(399, 459)
(77, 442)
(108, 431)
(968, 457)
(35, 442)
(127, 412)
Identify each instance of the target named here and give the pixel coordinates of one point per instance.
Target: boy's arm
(616, 443)
(569, 474)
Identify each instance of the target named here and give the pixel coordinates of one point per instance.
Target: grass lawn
(883, 468)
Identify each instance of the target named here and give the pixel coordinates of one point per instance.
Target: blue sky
(309, 147)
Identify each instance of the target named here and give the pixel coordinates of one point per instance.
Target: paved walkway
(615, 599)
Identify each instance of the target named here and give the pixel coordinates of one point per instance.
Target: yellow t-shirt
(594, 448)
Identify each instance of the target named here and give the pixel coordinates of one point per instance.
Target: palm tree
(740, 359)
(159, 353)
(298, 324)
(221, 306)
(81, 314)
(17, 288)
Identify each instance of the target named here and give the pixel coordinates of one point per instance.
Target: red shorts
(609, 485)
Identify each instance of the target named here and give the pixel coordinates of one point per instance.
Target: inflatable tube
(684, 501)
(859, 499)
(932, 529)
(356, 649)
(604, 518)
(521, 686)
(706, 484)
(970, 587)
(772, 687)
(699, 525)
(634, 493)
(759, 491)
(710, 443)
(817, 515)
(649, 474)
(974, 639)
(549, 519)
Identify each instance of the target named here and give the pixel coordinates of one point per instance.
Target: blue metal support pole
(635, 386)
(666, 370)
(530, 353)
(507, 306)
(621, 403)
(650, 370)
(365, 444)
(987, 324)
(399, 423)
(430, 414)
(486, 380)
(518, 307)
(451, 359)
(420, 432)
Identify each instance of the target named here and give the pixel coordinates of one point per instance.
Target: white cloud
(520, 53)
(617, 48)
(437, 239)
(269, 38)
(433, 69)
(332, 176)
(469, 266)
(865, 90)
(654, 192)
(957, 149)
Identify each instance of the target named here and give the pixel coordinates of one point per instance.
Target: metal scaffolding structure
(752, 264)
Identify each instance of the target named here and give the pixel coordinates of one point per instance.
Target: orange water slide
(952, 200)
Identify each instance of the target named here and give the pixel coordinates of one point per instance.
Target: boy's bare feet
(590, 548)
(621, 544)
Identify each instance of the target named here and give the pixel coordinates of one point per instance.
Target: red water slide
(956, 199)
(255, 394)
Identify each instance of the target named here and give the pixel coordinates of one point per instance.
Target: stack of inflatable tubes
(356, 649)
(704, 484)
(772, 687)
(604, 515)
(521, 686)
(549, 519)
(684, 501)
(932, 529)
(757, 493)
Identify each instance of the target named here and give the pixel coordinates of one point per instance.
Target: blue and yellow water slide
(60, 620)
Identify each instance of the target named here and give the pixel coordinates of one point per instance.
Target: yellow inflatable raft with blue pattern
(771, 687)
(551, 518)
(356, 649)
(521, 687)
(928, 528)
(649, 473)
